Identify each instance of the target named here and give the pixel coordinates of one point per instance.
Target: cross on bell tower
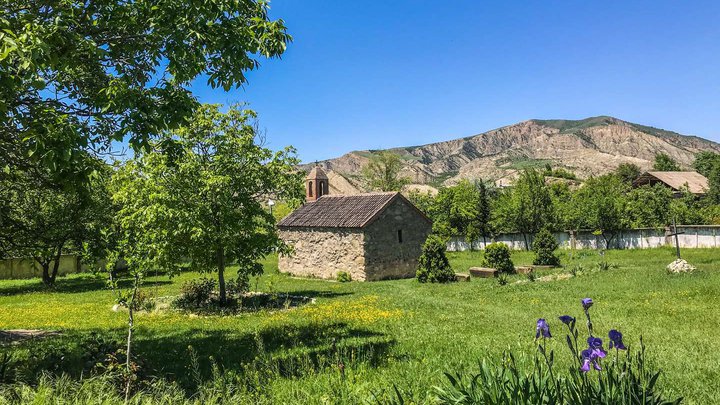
(316, 184)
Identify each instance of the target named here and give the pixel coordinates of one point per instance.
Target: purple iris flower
(589, 356)
(595, 345)
(567, 319)
(542, 328)
(616, 340)
(586, 303)
(594, 342)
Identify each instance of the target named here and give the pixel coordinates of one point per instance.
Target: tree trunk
(56, 265)
(45, 264)
(221, 275)
(527, 245)
(131, 325)
(607, 241)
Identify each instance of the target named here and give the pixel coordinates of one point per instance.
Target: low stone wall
(692, 236)
(329, 250)
(29, 268)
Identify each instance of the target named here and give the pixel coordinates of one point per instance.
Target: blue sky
(378, 74)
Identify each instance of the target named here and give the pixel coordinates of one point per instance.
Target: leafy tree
(43, 220)
(481, 224)
(204, 201)
(600, 205)
(628, 172)
(469, 210)
(664, 163)
(527, 208)
(433, 265)
(561, 196)
(705, 162)
(713, 193)
(544, 246)
(283, 209)
(77, 75)
(382, 172)
(423, 201)
(558, 172)
(689, 209)
(648, 206)
(441, 213)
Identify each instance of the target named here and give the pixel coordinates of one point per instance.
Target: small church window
(310, 189)
(399, 235)
(321, 190)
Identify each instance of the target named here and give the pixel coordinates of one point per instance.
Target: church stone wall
(323, 252)
(385, 256)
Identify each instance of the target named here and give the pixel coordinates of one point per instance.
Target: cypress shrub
(434, 266)
(544, 247)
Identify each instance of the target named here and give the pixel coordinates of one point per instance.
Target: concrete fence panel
(29, 268)
(689, 236)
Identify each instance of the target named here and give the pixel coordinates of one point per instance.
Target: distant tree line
(604, 204)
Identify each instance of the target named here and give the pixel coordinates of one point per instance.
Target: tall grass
(415, 331)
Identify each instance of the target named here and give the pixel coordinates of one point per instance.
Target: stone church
(371, 236)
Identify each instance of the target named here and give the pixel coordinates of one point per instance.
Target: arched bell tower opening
(316, 184)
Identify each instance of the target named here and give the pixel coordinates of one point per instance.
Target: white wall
(693, 236)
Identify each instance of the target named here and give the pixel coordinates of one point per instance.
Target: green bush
(434, 266)
(544, 245)
(344, 277)
(238, 286)
(497, 256)
(195, 294)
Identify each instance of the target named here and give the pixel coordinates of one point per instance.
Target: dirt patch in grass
(17, 335)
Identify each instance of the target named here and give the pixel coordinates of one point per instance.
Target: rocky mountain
(586, 147)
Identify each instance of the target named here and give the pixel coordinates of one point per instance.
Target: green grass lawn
(400, 332)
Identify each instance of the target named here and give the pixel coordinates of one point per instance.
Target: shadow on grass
(283, 351)
(318, 294)
(264, 301)
(69, 285)
(188, 356)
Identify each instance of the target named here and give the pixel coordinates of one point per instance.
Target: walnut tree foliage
(628, 172)
(202, 202)
(664, 163)
(527, 207)
(382, 172)
(77, 75)
(459, 210)
(42, 220)
(600, 205)
(705, 162)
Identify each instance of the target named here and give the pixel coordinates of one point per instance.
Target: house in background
(371, 236)
(693, 182)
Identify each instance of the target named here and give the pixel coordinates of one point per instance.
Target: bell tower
(316, 184)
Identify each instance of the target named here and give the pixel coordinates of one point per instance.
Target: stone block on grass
(524, 269)
(462, 277)
(483, 272)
